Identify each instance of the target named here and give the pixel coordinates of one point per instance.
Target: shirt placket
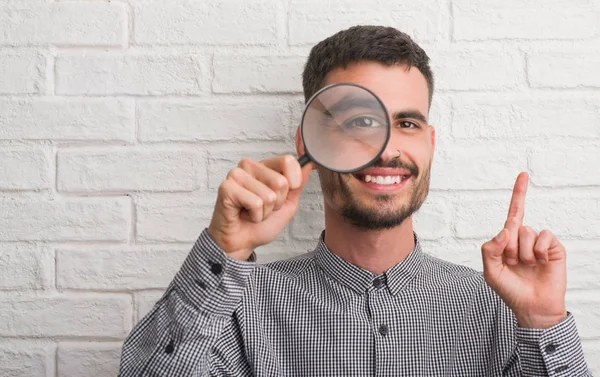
(382, 327)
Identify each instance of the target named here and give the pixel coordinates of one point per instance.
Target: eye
(362, 122)
(407, 124)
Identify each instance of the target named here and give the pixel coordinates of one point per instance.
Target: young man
(368, 301)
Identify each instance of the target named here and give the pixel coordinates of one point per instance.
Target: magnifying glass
(345, 128)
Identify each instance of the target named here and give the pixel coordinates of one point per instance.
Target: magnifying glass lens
(345, 127)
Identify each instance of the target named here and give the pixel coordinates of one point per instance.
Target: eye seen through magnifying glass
(345, 127)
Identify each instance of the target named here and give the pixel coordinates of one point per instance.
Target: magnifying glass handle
(303, 160)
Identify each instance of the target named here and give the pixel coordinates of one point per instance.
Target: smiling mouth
(382, 179)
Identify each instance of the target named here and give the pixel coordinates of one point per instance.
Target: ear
(300, 146)
(432, 137)
(299, 143)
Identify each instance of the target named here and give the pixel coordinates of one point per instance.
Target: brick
(26, 358)
(22, 73)
(585, 306)
(591, 350)
(134, 74)
(494, 167)
(66, 119)
(564, 69)
(218, 22)
(257, 74)
(440, 116)
(130, 169)
(514, 19)
(515, 116)
(565, 165)
(314, 20)
(145, 301)
(89, 359)
(200, 121)
(26, 267)
(72, 219)
(117, 269)
(24, 169)
(582, 264)
(173, 218)
(433, 218)
(569, 217)
(65, 315)
(83, 24)
(477, 68)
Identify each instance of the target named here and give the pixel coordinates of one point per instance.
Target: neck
(373, 250)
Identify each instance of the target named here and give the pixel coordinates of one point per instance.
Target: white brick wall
(119, 119)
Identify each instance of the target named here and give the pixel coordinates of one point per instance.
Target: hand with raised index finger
(525, 268)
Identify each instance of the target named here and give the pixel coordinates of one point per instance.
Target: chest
(340, 333)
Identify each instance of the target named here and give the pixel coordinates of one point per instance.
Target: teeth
(381, 180)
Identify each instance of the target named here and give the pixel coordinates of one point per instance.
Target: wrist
(540, 321)
(229, 249)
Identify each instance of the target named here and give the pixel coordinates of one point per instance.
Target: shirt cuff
(210, 280)
(555, 351)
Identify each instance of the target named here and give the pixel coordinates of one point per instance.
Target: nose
(391, 149)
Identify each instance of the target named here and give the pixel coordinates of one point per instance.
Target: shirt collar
(359, 279)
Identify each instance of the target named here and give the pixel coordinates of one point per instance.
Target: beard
(386, 216)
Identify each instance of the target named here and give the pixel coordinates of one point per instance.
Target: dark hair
(381, 44)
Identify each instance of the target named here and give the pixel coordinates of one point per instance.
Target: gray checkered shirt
(317, 315)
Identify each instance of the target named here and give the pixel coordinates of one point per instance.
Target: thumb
(492, 250)
(294, 195)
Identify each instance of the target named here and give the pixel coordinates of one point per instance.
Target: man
(367, 301)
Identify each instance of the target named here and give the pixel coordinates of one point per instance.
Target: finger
(527, 238)
(272, 178)
(493, 250)
(294, 194)
(516, 209)
(244, 179)
(237, 198)
(287, 165)
(543, 243)
(514, 219)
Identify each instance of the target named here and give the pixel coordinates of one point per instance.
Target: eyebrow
(409, 114)
(348, 102)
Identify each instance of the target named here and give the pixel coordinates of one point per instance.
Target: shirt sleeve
(556, 351)
(176, 337)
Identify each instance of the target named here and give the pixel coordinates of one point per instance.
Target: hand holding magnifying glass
(344, 128)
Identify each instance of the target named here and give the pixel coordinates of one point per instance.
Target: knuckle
(258, 203)
(225, 187)
(280, 183)
(235, 174)
(270, 197)
(288, 160)
(245, 163)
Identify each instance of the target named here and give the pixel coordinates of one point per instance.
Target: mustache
(396, 163)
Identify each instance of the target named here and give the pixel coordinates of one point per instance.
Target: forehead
(399, 87)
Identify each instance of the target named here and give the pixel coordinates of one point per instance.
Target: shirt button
(550, 349)
(384, 330)
(561, 368)
(216, 268)
(378, 282)
(169, 348)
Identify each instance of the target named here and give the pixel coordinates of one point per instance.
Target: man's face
(375, 204)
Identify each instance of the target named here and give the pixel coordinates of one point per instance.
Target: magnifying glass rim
(387, 117)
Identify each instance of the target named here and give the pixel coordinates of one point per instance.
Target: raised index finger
(516, 210)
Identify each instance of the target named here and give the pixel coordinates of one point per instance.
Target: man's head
(396, 69)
